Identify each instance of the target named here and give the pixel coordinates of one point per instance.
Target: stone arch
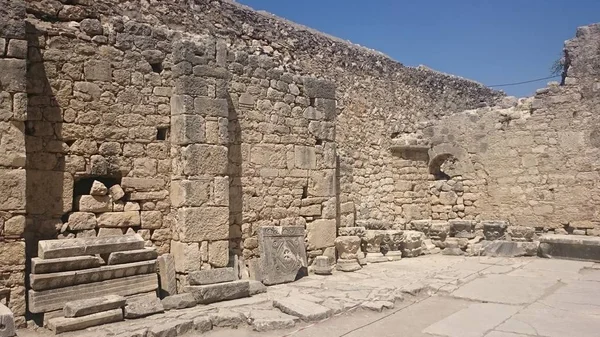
(448, 160)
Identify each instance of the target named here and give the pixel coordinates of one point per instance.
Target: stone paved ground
(455, 296)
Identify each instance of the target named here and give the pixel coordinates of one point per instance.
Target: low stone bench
(571, 247)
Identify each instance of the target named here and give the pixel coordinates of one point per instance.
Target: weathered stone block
(520, 233)
(218, 253)
(179, 301)
(64, 324)
(13, 77)
(205, 106)
(462, 228)
(321, 233)
(94, 203)
(199, 159)
(188, 129)
(283, 257)
(187, 256)
(182, 104)
(15, 226)
(96, 70)
(191, 85)
(322, 183)
(212, 276)
(41, 266)
(574, 247)
(82, 220)
(219, 292)
(131, 256)
(306, 157)
(93, 305)
(144, 305)
(12, 185)
(142, 184)
(40, 282)
(315, 88)
(7, 322)
(166, 272)
(203, 223)
(321, 265)
(55, 299)
(119, 219)
(51, 249)
(98, 188)
(151, 219)
(116, 192)
(305, 310)
(190, 192)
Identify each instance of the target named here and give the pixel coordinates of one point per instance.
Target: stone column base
(376, 258)
(348, 265)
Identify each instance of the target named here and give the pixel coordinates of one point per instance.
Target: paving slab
(305, 310)
(504, 289)
(473, 321)
(266, 320)
(542, 320)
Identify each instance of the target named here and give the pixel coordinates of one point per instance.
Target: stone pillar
(13, 114)
(199, 139)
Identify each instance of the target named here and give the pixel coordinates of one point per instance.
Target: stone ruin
(194, 151)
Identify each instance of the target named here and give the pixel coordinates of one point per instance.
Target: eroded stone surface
(283, 254)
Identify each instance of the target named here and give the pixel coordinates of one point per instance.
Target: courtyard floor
(433, 295)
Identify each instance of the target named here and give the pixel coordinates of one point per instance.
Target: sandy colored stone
(94, 204)
(98, 189)
(119, 219)
(93, 305)
(82, 220)
(320, 234)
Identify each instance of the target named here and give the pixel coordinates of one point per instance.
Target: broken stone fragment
(94, 204)
(64, 324)
(98, 188)
(373, 239)
(494, 229)
(116, 192)
(7, 322)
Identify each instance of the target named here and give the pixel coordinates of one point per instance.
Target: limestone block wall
(13, 114)
(99, 109)
(534, 161)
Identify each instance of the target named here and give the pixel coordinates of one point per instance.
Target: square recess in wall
(162, 133)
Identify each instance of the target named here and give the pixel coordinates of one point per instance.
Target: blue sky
(490, 41)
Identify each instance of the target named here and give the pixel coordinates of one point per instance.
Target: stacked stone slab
(209, 286)
(81, 314)
(79, 269)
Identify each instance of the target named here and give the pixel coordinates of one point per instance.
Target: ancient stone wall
(13, 114)
(533, 162)
(215, 120)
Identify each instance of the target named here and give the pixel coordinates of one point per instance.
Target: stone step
(130, 256)
(40, 282)
(64, 324)
(93, 305)
(211, 276)
(571, 247)
(305, 310)
(52, 249)
(55, 299)
(41, 266)
(510, 249)
(219, 292)
(267, 320)
(143, 305)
